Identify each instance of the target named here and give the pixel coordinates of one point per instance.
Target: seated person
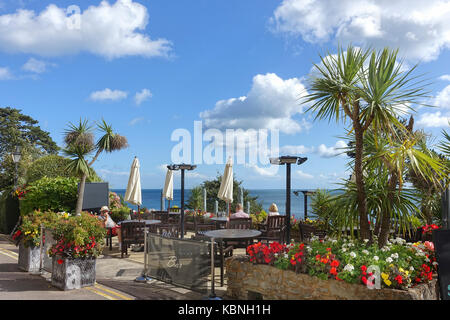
(109, 223)
(273, 210)
(239, 212)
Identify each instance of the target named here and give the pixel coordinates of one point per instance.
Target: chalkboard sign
(95, 195)
(441, 240)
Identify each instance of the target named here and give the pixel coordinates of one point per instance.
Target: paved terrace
(115, 280)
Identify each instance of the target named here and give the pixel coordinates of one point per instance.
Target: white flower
(389, 260)
(352, 254)
(394, 255)
(276, 255)
(366, 240)
(427, 260)
(411, 268)
(365, 251)
(376, 258)
(286, 255)
(344, 249)
(435, 263)
(349, 268)
(333, 241)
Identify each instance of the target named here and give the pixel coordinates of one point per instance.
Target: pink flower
(429, 245)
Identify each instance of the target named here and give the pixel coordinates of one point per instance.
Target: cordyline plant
(370, 89)
(80, 145)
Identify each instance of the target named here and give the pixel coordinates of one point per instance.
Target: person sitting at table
(273, 210)
(109, 223)
(239, 212)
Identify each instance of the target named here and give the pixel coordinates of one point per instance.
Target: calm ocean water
(151, 198)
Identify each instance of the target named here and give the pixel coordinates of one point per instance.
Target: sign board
(96, 195)
(183, 263)
(441, 240)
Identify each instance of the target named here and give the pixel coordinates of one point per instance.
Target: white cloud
(419, 28)
(108, 94)
(304, 175)
(36, 66)
(322, 150)
(443, 98)
(136, 121)
(433, 120)
(108, 30)
(328, 152)
(271, 171)
(142, 96)
(5, 74)
(445, 77)
(271, 103)
(439, 118)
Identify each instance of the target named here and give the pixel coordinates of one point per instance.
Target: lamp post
(288, 161)
(182, 167)
(16, 155)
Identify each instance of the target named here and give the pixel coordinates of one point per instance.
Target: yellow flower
(401, 270)
(385, 276)
(388, 282)
(391, 265)
(27, 232)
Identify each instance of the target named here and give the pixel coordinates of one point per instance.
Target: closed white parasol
(226, 186)
(133, 194)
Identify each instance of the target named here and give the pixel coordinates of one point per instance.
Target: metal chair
(132, 233)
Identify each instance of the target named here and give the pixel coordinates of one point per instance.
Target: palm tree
(370, 92)
(392, 156)
(79, 141)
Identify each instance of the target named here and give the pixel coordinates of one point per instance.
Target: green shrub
(50, 194)
(52, 166)
(120, 214)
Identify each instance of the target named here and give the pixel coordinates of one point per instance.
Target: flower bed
(398, 265)
(246, 280)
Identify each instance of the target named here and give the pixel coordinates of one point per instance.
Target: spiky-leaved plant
(80, 145)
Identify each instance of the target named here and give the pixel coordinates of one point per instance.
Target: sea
(151, 199)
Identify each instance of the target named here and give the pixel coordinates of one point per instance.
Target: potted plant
(79, 241)
(28, 238)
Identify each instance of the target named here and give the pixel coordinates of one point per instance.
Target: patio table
(220, 221)
(227, 234)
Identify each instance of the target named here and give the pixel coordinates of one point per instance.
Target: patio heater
(182, 167)
(16, 156)
(288, 161)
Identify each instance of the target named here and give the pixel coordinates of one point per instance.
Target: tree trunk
(386, 220)
(359, 179)
(79, 206)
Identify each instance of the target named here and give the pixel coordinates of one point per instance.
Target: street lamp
(16, 155)
(288, 161)
(182, 167)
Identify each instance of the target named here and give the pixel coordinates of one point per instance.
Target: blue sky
(186, 59)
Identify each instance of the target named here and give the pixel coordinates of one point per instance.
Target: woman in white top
(273, 210)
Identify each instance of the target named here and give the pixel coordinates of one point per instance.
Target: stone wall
(249, 281)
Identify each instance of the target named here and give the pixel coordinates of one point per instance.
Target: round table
(147, 222)
(228, 234)
(220, 221)
(233, 234)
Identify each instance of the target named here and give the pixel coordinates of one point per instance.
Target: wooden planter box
(29, 258)
(247, 281)
(72, 274)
